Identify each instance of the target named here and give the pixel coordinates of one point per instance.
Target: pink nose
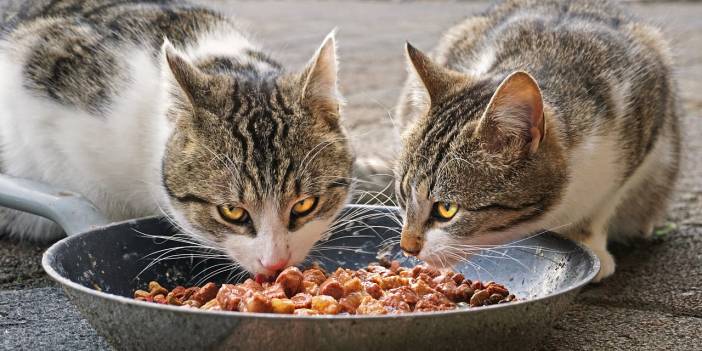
(276, 265)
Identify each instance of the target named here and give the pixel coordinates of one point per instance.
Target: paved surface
(653, 302)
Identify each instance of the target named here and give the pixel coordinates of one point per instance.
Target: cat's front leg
(596, 240)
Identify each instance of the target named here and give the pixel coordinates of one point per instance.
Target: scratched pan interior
(99, 271)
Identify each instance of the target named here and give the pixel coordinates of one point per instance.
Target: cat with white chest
(143, 106)
(537, 115)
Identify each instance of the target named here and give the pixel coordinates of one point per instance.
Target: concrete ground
(653, 302)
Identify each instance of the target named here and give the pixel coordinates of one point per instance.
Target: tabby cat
(537, 115)
(142, 105)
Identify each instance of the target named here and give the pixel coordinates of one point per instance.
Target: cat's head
(258, 164)
(480, 166)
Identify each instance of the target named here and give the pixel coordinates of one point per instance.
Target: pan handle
(74, 213)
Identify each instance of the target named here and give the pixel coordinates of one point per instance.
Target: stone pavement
(653, 302)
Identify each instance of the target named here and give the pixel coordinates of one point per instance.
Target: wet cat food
(384, 288)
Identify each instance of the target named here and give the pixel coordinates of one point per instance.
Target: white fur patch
(594, 172)
(114, 159)
(434, 247)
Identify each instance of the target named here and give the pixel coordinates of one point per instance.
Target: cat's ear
(320, 82)
(515, 115)
(436, 81)
(192, 82)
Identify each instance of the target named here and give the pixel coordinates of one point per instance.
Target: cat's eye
(232, 214)
(304, 206)
(444, 211)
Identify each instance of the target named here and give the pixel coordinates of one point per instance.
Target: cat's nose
(274, 266)
(411, 244)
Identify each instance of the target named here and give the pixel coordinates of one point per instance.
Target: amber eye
(445, 210)
(231, 214)
(305, 206)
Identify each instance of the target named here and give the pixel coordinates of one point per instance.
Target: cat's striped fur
(585, 142)
(146, 104)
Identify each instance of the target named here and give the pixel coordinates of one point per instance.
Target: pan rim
(49, 257)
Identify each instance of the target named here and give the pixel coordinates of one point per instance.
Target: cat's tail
(374, 181)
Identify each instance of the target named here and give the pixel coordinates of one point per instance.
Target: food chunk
(302, 300)
(434, 302)
(373, 289)
(255, 302)
(310, 287)
(206, 293)
(290, 279)
(230, 296)
(369, 305)
(275, 291)
(314, 275)
(284, 306)
(325, 304)
(350, 302)
(406, 294)
(251, 284)
(395, 304)
(331, 287)
(352, 285)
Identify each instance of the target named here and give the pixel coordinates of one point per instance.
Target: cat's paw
(607, 265)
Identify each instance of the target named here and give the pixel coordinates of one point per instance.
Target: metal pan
(99, 265)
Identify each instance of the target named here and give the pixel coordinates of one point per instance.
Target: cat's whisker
(359, 218)
(214, 273)
(174, 223)
(180, 239)
(167, 256)
(321, 180)
(477, 267)
(209, 268)
(332, 247)
(478, 252)
(164, 256)
(237, 277)
(391, 215)
(384, 246)
(194, 256)
(378, 196)
(498, 257)
(320, 257)
(363, 225)
(325, 242)
(508, 246)
(356, 251)
(541, 232)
